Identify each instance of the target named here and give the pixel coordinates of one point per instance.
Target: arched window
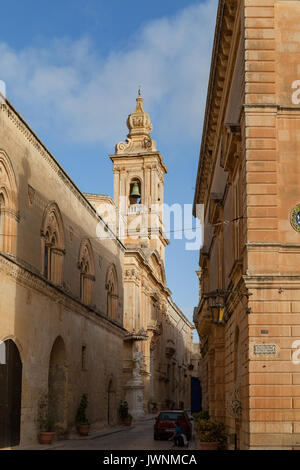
(53, 244)
(2, 208)
(112, 292)
(8, 205)
(135, 192)
(87, 272)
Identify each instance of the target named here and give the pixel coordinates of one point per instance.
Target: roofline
(61, 169)
(227, 30)
(181, 314)
(212, 73)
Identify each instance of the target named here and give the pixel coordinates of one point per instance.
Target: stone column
(219, 377)
(116, 186)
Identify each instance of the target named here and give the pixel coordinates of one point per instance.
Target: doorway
(111, 414)
(57, 384)
(10, 394)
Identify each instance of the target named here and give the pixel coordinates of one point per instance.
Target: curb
(99, 434)
(56, 445)
(92, 436)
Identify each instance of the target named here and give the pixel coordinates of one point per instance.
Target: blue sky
(72, 69)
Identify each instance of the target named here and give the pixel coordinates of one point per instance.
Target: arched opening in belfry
(57, 384)
(135, 192)
(10, 394)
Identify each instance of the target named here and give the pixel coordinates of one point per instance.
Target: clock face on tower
(295, 218)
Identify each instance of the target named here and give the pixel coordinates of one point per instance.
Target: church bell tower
(139, 185)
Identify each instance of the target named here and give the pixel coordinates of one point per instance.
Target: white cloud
(70, 89)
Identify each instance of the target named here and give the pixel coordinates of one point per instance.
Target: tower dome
(139, 122)
(140, 127)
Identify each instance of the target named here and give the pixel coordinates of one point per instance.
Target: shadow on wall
(44, 328)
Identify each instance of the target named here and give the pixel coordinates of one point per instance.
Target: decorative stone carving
(147, 143)
(233, 403)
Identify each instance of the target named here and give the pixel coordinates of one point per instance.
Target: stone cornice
(278, 247)
(272, 281)
(29, 134)
(24, 276)
(124, 157)
(226, 16)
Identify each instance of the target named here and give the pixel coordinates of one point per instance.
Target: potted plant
(125, 416)
(167, 404)
(200, 415)
(46, 421)
(154, 408)
(211, 434)
(82, 423)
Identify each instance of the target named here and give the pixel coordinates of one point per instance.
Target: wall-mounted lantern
(217, 307)
(217, 303)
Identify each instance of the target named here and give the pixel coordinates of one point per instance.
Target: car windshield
(170, 416)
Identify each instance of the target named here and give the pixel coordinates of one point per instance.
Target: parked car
(165, 424)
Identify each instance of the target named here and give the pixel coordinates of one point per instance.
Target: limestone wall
(253, 241)
(272, 125)
(39, 315)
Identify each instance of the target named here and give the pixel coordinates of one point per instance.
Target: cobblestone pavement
(138, 438)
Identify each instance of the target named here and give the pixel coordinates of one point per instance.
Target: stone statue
(135, 387)
(137, 360)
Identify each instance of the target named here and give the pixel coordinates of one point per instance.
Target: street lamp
(217, 308)
(216, 302)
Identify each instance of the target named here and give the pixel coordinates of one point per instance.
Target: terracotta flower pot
(209, 445)
(84, 429)
(46, 437)
(127, 421)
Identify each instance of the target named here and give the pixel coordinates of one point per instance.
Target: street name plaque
(265, 349)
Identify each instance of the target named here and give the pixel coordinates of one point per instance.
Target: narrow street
(138, 438)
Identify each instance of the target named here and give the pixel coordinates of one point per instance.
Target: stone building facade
(248, 181)
(75, 293)
(156, 326)
(58, 333)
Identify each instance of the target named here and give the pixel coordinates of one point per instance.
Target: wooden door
(10, 396)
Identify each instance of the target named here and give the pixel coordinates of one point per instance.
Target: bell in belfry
(135, 191)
